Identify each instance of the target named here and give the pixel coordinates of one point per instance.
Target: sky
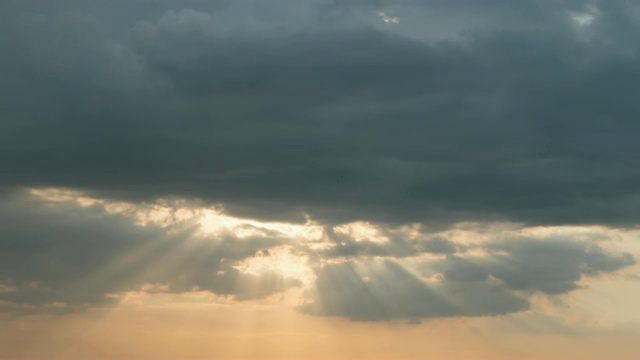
(319, 179)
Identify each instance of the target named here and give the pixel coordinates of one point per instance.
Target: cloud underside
(316, 112)
(83, 255)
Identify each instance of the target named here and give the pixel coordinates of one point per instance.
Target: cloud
(316, 113)
(437, 245)
(551, 265)
(473, 285)
(343, 123)
(76, 255)
(64, 251)
(385, 290)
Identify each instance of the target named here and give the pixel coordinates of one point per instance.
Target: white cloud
(388, 18)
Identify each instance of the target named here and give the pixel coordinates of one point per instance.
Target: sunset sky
(320, 179)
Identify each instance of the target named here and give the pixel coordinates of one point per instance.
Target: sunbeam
(319, 179)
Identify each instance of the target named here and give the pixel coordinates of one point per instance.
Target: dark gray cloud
(279, 115)
(495, 283)
(504, 110)
(385, 290)
(395, 245)
(551, 266)
(436, 245)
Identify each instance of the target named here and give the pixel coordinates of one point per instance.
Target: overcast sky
(319, 179)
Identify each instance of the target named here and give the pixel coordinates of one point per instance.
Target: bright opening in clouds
(319, 179)
(388, 19)
(585, 17)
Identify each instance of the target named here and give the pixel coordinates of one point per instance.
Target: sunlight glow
(361, 231)
(170, 212)
(7, 288)
(215, 222)
(586, 17)
(153, 297)
(280, 260)
(388, 18)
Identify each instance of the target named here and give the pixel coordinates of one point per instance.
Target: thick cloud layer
(355, 118)
(283, 110)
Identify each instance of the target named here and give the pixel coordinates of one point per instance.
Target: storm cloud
(340, 119)
(317, 114)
